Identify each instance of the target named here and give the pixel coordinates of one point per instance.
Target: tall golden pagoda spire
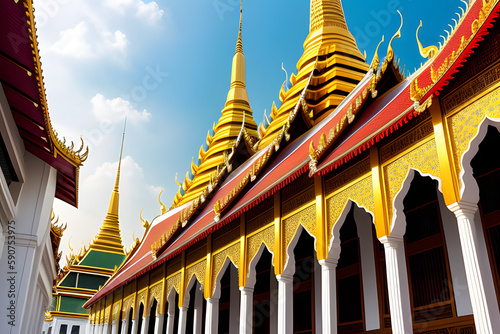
(236, 114)
(339, 64)
(109, 239)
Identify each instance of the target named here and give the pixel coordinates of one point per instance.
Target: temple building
(36, 167)
(85, 272)
(368, 202)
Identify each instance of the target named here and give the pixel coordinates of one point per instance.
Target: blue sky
(166, 65)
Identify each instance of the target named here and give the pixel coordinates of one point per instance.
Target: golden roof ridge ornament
(428, 52)
(376, 59)
(390, 51)
(108, 239)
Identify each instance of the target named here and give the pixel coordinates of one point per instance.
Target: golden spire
(340, 65)
(239, 43)
(109, 238)
(236, 113)
(238, 89)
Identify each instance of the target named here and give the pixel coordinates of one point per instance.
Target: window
(429, 278)
(63, 329)
(75, 329)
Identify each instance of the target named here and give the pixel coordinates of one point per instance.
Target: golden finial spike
(69, 244)
(163, 207)
(428, 52)
(376, 60)
(178, 183)
(390, 51)
(117, 182)
(239, 43)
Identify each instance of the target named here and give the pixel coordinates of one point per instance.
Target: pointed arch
(469, 190)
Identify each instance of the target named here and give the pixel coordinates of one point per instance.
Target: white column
(317, 290)
(124, 326)
(329, 295)
(246, 310)
(397, 285)
(477, 269)
(212, 317)
(159, 323)
(285, 304)
(105, 329)
(182, 319)
(144, 325)
(134, 327)
(368, 271)
(234, 302)
(171, 317)
(273, 301)
(114, 327)
(198, 311)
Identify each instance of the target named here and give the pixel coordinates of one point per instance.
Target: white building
(36, 167)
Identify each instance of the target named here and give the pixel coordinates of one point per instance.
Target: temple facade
(367, 203)
(36, 167)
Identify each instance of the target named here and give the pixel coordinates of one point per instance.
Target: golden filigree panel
(232, 252)
(335, 181)
(142, 297)
(360, 192)
(174, 282)
(107, 310)
(116, 311)
(127, 304)
(198, 270)
(156, 291)
(423, 158)
(306, 218)
(464, 125)
(265, 236)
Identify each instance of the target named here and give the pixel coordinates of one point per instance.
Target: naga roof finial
(428, 52)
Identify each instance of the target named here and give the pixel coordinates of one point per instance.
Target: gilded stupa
(236, 121)
(331, 51)
(88, 270)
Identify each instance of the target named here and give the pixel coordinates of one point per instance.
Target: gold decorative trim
(464, 125)
(232, 252)
(409, 139)
(350, 174)
(306, 218)
(264, 236)
(360, 192)
(424, 158)
(198, 269)
(156, 292)
(174, 281)
(472, 88)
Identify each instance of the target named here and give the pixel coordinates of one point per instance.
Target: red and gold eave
(385, 115)
(22, 81)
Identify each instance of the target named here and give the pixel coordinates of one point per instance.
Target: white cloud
(72, 42)
(75, 42)
(116, 109)
(117, 41)
(118, 5)
(150, 11)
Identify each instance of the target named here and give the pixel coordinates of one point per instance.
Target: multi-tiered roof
(236, 122)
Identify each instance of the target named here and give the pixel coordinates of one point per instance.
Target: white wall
(33, 270)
